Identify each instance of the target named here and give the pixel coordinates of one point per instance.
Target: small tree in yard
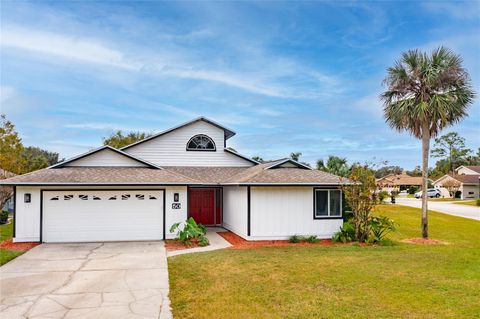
(11, 156)
(452, 186)
(359, 196)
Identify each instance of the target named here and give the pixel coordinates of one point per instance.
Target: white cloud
(102, 126)
(269, 81)
(370, 104)
(7, 93)
(226, 78)
(457, 9)
(86, 50)
(268, 112)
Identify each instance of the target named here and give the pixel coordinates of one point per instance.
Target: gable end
(105, 156)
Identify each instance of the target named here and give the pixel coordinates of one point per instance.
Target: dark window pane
(335, 209)
(321, 203)
(200, 142)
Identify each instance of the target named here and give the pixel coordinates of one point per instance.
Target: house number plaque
(176, 206)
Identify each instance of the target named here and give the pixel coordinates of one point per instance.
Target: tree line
(450, 150)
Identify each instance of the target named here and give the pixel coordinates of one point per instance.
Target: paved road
(472, 212)
(91, 280)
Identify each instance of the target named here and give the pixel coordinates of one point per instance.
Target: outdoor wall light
(27, 198)
(176, 197)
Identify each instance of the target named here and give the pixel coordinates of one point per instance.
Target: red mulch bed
(174, 244)
(8, 244)
(423, 241)
(240, 243)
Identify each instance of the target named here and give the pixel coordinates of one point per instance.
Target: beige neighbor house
(138, 192)
(466, 180)
(398, 182)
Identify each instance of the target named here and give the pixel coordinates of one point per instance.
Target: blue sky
(286, 76)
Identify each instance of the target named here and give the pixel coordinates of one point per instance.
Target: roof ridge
(257, 169)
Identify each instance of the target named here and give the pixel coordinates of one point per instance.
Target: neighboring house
(8, 205)
(6, 191)
(467, 177)
(139, 191)
(398, 182)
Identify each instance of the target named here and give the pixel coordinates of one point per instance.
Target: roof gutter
(173, 184)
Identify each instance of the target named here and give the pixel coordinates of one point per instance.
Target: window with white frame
(201, 142)
(328, 203)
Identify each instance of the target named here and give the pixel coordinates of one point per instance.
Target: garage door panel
(70, 216)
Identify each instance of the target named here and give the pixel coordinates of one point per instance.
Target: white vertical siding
(469, 191)
(170, 149)
(27, 215)
(280, 212)
(235, 209)
(173, 216)
(106, 157)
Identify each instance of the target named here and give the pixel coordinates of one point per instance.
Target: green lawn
(445, 199)
(399, 281)
(468, 202)
(6, 232)
(6, 255)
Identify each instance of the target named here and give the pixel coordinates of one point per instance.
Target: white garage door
(102, 215)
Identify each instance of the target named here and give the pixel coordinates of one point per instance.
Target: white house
(139, 191)
(466, 177)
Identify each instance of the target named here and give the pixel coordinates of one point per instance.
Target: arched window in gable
(201, 142)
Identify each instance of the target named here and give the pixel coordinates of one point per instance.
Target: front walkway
(89, 280)
(450, 208)
(216, 242)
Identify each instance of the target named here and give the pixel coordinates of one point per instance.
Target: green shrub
(380, 226)
(295, 239)
(345, 234)
(190, 231)
(412, 189)
(3, 217)
(478, 202)
(312, 239)
(301, 239)
(387, 242)
(458, 194)
(203, 241)
(382, 195)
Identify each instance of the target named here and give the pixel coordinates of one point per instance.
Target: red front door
(202, 205)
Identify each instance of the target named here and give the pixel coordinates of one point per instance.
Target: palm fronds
(426, 88)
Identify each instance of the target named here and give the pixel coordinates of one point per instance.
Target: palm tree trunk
(425, 151)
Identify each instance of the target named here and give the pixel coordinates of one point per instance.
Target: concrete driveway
(472, 212)
(90, 280)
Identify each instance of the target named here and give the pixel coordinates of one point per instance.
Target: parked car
(431, 192)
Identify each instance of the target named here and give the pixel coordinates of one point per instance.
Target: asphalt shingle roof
(258, 174)
(475, 168)
(467, 179)
(400, 179)
(99, 175)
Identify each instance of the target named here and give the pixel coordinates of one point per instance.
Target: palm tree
(426, 93)
(335, 165)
